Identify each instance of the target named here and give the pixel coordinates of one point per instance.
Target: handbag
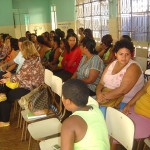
(39, 100)
(113, 102)
(12, 85)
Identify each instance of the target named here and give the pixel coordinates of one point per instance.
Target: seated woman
(91, 66)
(54, 54)
(44, 49)
(8, 64)
(57, 68)
(122, 79)
(5, 46)
(33, 38)
(47, 38)
(30, 76)
(106, 49)
(71, 57)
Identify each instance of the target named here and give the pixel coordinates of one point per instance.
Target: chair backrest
(48, 77)
(44, 128)
(120, 127)
(147, 75)
(56, 85)
(92, 101)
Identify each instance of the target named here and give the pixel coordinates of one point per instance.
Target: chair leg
(26, 130)
(29, 145)
(23, 130)
(19, 118)
(20, 121)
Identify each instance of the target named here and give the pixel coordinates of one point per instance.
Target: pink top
(71, 60)
(114, 81)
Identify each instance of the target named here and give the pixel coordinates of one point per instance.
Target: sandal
(4, 124)
(2, 97)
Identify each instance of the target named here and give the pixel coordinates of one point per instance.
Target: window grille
(135, 19)
(93, 14)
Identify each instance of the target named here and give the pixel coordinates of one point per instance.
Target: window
(93, 14)
(135, 19)
(53, 17)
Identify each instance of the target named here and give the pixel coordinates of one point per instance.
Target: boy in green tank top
(85, 129)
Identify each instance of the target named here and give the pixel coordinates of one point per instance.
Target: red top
(71, 60)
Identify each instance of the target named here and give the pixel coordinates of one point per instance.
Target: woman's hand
(3, 81)
(7, 75)
(126, 109)
(100, 97)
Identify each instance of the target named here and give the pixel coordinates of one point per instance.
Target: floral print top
(30, 75)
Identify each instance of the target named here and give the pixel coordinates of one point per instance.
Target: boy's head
(76, 91)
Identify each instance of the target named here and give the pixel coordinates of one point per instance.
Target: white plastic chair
(56, 87)
(48, 80)
(120, 127)
(147, 142)
(147, 74)
(92, 101)
(49, 144)
(48, 77)
(44, 128)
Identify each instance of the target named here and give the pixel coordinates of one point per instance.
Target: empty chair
(147, 74)
(44, 128)
(48, 77)
(50, 144)
(92, 101)
(120, 127)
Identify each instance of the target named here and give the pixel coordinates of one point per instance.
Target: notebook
(30, 115)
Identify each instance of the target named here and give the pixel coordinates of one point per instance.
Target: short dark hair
(88, 33)
(89, 44)
(107, 39)
(77, 91)
(82, 29)
(124, 43)
(70, 31)
(14, 43)
(22, 39)
(126, 37)
(41, 40)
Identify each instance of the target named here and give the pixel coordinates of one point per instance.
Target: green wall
(65, 9)
(39, 10)
(113, 9)
(6, 17)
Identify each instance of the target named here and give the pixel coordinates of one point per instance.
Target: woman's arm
(56, 56)
(126, 109)
(100, 86)
(129, 80)
(110, 58)
(93, 74)
(74, 76)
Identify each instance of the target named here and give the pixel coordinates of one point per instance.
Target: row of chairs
(114, 120)
(56, 85)
(48, 130)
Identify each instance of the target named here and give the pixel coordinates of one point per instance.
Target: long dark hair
(67, 44)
